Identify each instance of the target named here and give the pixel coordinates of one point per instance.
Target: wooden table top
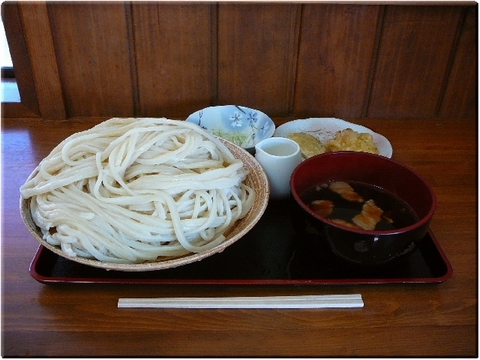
(397, 319)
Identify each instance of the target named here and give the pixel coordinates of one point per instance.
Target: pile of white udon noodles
(131, 190)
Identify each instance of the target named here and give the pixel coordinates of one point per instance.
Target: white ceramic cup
(279, 157)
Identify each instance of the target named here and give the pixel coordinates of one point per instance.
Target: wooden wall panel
(101, 59)
(93, 54)
(257, 47)
(44, 69)
(175, 57)
(461, 96)
(335, 59)
(28, 107)
(413, 57)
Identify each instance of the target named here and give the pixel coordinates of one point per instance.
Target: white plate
(325, 128)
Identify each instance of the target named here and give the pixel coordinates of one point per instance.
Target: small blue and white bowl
(241, 125)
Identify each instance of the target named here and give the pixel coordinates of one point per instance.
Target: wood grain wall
(286, 59)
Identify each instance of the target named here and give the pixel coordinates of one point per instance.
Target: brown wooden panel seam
(132, 58)
(373, 65)
(451, 58)
(214, 54)
(294, 69)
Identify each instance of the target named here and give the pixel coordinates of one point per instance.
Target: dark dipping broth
(395, 212)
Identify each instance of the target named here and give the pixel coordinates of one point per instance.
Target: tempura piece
(369, 217)
(387, 218)
(344, 223)
(309, 145)
(322, 207)
(345, 191)
(350, 140)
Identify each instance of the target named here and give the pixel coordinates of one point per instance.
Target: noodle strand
(133, 190)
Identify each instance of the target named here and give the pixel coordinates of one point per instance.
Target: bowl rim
(257, 180)
(267, 117)
(405, 229)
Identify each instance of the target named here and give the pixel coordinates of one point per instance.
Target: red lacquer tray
(271, 253)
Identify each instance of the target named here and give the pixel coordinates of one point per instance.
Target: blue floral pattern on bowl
(241, 125)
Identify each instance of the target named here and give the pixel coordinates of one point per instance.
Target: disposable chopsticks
(266, 302)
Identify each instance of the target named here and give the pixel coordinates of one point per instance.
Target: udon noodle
(136, 189)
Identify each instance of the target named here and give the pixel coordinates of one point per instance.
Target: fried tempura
(345, 191)
(309, 145)
(322, 207)
(350, 140)
(345, 223)
(369, 217)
